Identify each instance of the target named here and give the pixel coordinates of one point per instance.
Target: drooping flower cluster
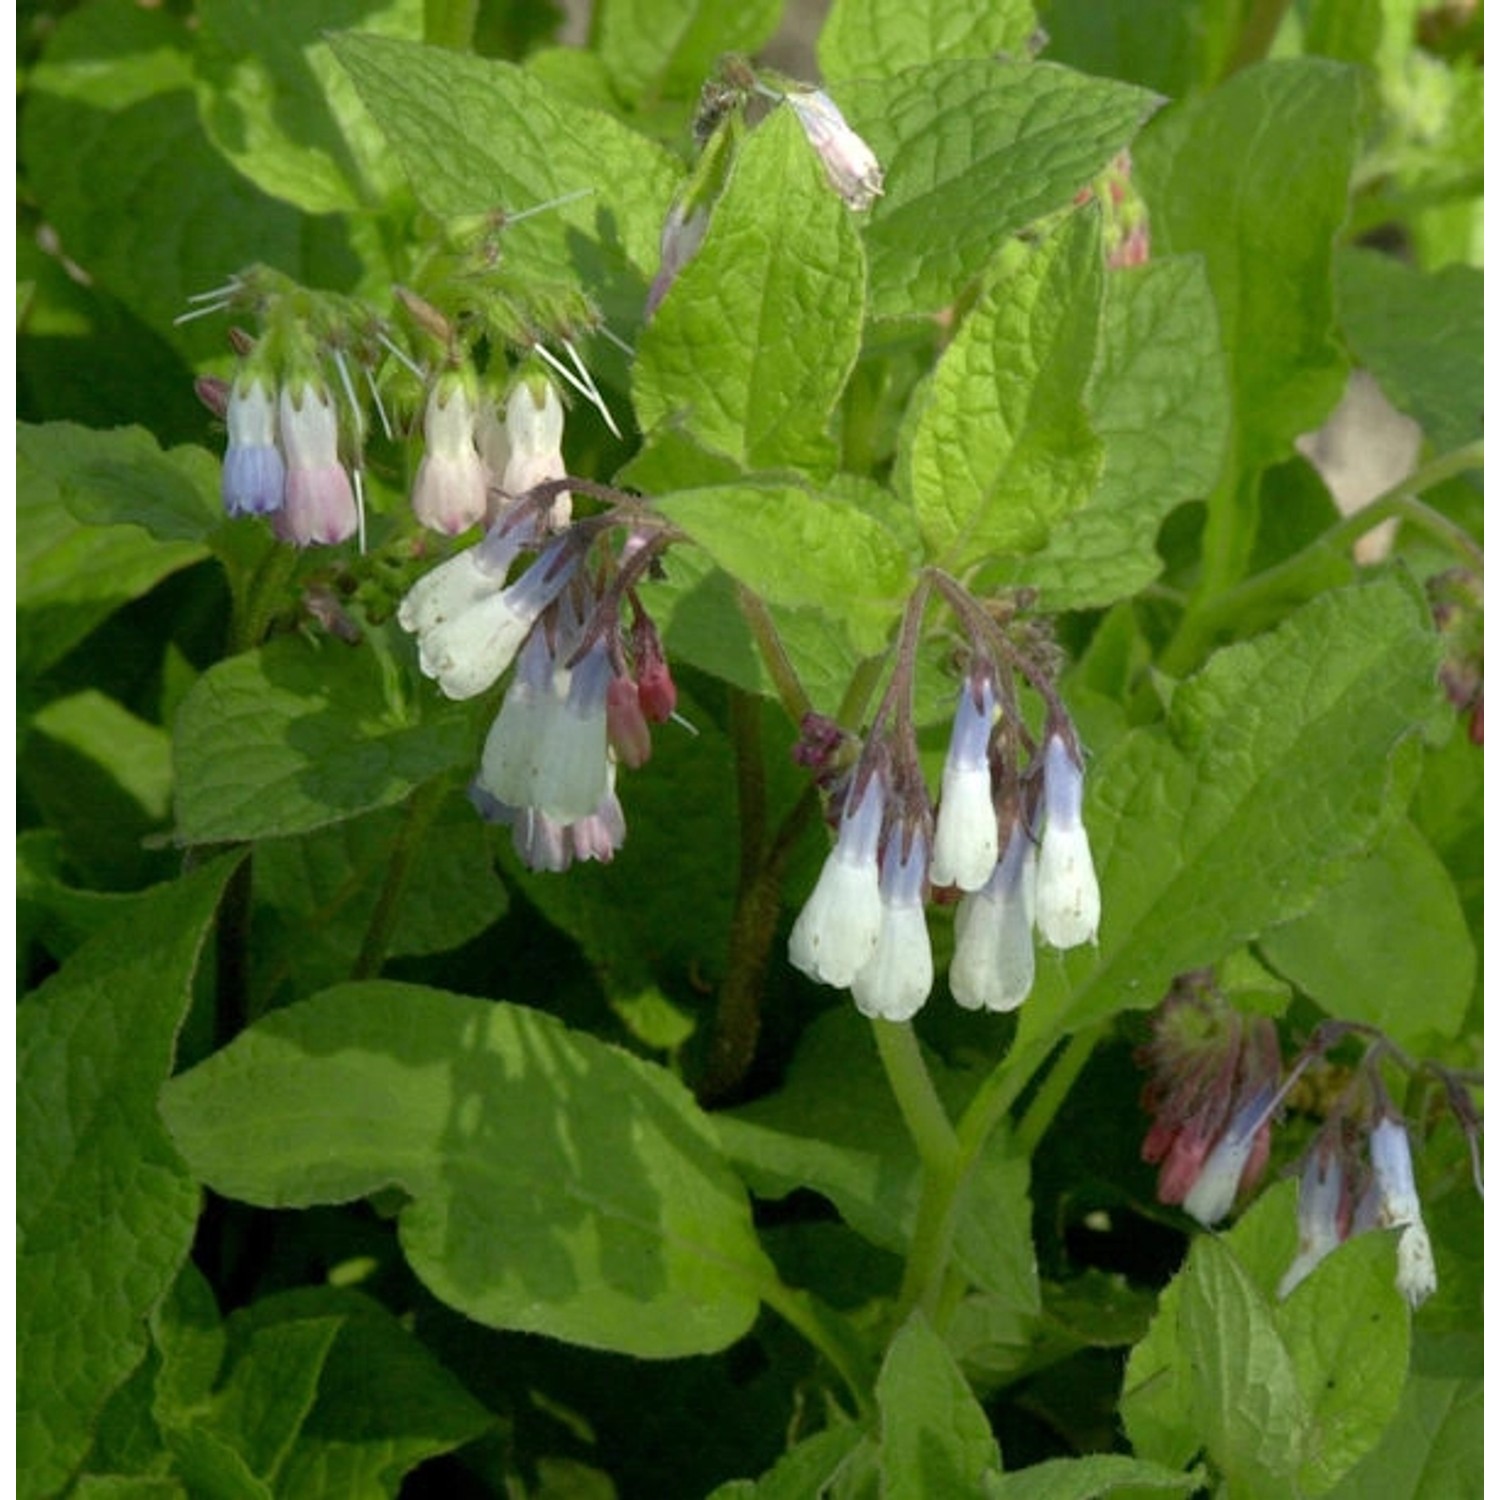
(584, 691)
(1215, 1087)
(1008, 835)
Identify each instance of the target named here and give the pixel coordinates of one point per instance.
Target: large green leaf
(797, 548)
(476, 135)
(105, 1209)
(295, 736)
(1255, 176)
(115, 152)
(879, 38)
(90, 509)
(972, 152)
(556, 1185)
(1001, 447)
(666, 49)
(1158, 400)
(277, 104)
(1388, 945)
(934, 1436)
(1095, 1475)
(1272, 770)
(1247, 1406)
(1421, 334)
(752, 345)
(834, 1128)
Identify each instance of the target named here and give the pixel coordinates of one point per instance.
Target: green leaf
(1388, 945)
(122, 477)
(666, 49)
(934, 1436)
(1420, 334)
(982, 149)
(295, 736)
(752, 345)
(475, 135)
(316, 895)
(880, 38)
(72, 576)
(277, 104)
(1256, 177)
(1001, 447)
(556, 1185)
(1272, 771)
(1177, 47)
(105, 1210)
(1246, 1402)
(1158, 400)
(1434, 1449)
(794, 547)
(1098, 1474)
(323, 1393)
(114, 149)
(802, 1471)
(834, 1127)
(1348, 1331)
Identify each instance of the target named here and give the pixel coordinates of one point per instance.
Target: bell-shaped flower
(1322, 1211)
(455, 586)
(835, 934)
(1067, 890)
(994, 962)
(896, 981)
(599, 835)
(1398, 1206)
(571, 774)
(448, 494)
(850, 164)
(469, 649)
(254, 478)
(965, 847)
(534, 429)
(320, 504)
(513, 747)
(1229, 1164)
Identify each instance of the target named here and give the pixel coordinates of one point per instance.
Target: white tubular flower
(895, 983)
(254, 477)
(534, 429)
(463, 581)
(1321, 1215)
(513, 746)
(966, 845)
(1399, 1207)
(850, 164)
(468, 652)
(1067, 890)
(448, 494)
(571, 774)
(1212, 1195)
(320, 504)
(994, 962)
(835, 933)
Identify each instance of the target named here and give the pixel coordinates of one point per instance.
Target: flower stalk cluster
(1007, 835)
(1214, 1091)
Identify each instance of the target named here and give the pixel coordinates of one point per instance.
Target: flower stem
(1054, 1088)
(828, 1333)
(421, 809)
(916, 1097)
(1306, 572)
(768, 641)
(256, 607)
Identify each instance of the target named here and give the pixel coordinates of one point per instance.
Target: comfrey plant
(621, 805)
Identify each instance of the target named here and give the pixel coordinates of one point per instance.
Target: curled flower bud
(681, 235)
(629, 733)
(449, 492)
(836, 932)
(320, 504)
(1067, 890)
(850, 164)
(254, 479)
(1231, 1162)
(966, 845)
